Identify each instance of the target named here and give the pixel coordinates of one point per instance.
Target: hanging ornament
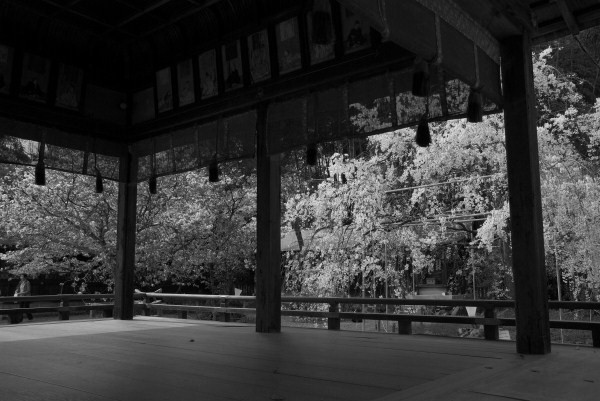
(213, 170)
(311, 154)
(40, 173)
(40, 168)
(213, 166)
(475, 106)
(475, 103)
(423, 138)
(152, 180)
(152, 183)
(99, 183)
(420, 84)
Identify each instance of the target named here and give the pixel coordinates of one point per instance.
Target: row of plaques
(35, 79)
(35, 74)
(321, 39)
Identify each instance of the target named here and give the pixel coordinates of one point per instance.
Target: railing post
(13, 317)
(64, 314)
(404, 326)
(333, 323)
(107, 312)
(146, 310)
(224, 316)
(490, 331)
(596, 337)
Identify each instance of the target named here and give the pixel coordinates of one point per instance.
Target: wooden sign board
(34, 81)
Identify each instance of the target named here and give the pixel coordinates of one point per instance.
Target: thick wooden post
(490, 332)
(334, 323)
(268, 228)
(533, 328)
(64, 314)
(126, 220)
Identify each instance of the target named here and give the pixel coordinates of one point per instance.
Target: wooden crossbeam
(189, 13)
(88, 17)
(558, 27)
(516, 12)
(465, 24)
(568, 16)
(142, 12)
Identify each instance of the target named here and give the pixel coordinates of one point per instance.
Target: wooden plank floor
(167, 359)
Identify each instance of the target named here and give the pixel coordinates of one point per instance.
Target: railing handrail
(403, 319)
(489, 319)
(484, 303)
(377, 301)
(56, 298)
(400, 301)
(197, 296)
(62, 297)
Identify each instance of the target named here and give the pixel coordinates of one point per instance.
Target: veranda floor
(168, 359)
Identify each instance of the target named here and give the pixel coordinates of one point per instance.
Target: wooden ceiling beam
(517, 14)
(465, 24)
(35, 11)
(143, 12)
(558, 28)
(88, 17)
(137, 9)
(568, 16)
(202, 5)
(138, 14)
(77, 129)
(71, 4)
(388, 58)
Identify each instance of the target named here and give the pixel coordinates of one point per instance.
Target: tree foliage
(192, 233)
(353, 236)
(357, 231)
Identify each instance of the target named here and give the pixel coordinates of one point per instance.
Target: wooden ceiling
(546, 19)
(119, 39)
(123, 39)
(121, 44)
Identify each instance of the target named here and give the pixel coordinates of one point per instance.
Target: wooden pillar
(531, 302)
(126, 220)
(268, 227)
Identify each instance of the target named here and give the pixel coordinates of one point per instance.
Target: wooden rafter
(568, 16)
(143, 12)
(516, 12)
(201, 6)
(70, 10)
(557, 27)
(459, 19)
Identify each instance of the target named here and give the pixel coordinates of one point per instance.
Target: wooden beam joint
(568, 16)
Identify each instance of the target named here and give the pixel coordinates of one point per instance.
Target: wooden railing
(224, 306)
(62, 305)
(156, 303)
